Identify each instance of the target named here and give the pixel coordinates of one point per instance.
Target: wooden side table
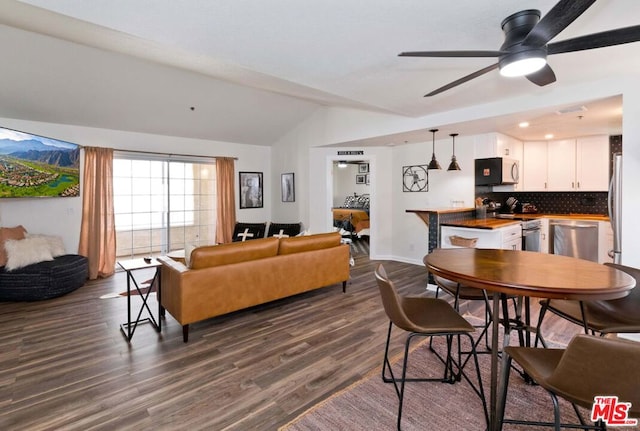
(129, 266)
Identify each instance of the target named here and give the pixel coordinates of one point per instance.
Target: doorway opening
(351, 203)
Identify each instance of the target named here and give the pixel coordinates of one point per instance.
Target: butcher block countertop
(493, 223)
(488, 223)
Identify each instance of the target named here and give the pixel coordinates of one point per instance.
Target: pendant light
(433, 164)
(454, 166)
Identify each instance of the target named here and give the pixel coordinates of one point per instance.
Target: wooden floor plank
(64, 363)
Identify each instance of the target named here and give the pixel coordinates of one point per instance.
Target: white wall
(62, 216)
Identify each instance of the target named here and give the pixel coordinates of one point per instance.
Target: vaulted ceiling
(248, 71)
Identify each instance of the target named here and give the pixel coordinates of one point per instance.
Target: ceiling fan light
(522, 66)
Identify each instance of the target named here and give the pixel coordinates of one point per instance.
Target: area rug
(370, 404)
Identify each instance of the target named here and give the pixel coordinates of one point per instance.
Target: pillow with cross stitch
(248, 231)
(284, 230)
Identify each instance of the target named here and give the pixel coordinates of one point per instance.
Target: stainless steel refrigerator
(615, 207)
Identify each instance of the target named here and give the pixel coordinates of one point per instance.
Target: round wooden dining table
(529, 274)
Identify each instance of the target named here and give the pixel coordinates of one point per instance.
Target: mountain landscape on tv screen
(34, 166)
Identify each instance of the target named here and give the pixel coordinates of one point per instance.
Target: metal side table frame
(129, 328)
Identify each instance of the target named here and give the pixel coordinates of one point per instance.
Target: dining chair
(589, 367)
(460, 292)
(616, 316)
(425, 317)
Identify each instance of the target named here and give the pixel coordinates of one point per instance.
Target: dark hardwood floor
(64, 364)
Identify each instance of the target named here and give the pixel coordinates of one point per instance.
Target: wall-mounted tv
(35, 166)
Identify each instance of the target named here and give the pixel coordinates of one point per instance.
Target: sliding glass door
(162, 204)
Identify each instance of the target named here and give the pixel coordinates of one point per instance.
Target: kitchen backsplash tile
(558, 202)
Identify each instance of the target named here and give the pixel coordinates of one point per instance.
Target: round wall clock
(415, 178)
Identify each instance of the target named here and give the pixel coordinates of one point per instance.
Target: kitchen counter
(487, 223)
(531, 216)
(445, 210)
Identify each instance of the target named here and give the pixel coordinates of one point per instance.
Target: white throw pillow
(187, 254)
(55, 243)
(26, 251)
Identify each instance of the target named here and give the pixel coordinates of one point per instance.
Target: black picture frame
(288, 187)
(251, 190)
(415, 178)
(361, 179)
(363, 168)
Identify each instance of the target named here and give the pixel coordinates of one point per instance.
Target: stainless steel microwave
(496, 171)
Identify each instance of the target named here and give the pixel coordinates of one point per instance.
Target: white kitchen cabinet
(508, 237)
(534, 166)
(561, 165)
(580, 164)
(592, 163)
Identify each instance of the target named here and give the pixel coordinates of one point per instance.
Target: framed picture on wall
(363, 168)
(251, 190)
(361, 179)
(415, 178)
(287, 187)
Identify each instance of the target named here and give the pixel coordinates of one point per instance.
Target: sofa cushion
(284, 229)
(224, 254)
(24, 252)
(7, 233)
(247, 231)
(308, 243)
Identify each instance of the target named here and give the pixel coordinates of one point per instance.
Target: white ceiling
(253, 69)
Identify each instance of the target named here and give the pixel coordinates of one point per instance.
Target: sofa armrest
(173, 265)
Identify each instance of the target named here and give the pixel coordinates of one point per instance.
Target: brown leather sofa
(230, 277)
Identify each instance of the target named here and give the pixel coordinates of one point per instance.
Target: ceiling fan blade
(556, 20)
(462, 80)
(451, 54)
(543, 76)
(596, 40)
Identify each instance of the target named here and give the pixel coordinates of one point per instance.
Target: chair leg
(556, 412)
(543, 311)
(386, 364)
(502, 390)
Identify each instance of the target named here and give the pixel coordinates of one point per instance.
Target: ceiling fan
(525, 48)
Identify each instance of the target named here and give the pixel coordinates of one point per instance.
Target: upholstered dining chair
(615, 316)
(425, 317)
(460, 292)
(589, 367)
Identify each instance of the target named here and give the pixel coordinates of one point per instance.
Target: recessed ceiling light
(524, 124)
(548, 136)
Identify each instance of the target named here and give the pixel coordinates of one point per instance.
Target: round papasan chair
(45, 274)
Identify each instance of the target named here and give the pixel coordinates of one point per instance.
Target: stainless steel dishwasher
(575, 238)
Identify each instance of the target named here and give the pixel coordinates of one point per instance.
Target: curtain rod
(170, 154)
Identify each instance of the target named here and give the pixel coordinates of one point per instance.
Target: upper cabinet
(592, 163)
(499, 145)
(534, 167)
(580, 164)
